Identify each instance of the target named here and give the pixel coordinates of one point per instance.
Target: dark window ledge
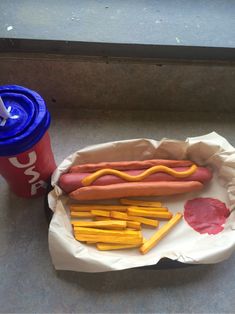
(168, 29)
(118, 50)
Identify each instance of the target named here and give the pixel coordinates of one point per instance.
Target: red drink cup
(26, 158)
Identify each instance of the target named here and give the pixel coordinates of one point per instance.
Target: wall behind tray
(92, 83)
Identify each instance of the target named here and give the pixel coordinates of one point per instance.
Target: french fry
(100, 218)
(106, 246)
(148, 213)
(125, 201)
(103, 213)
(81, 215)
(89, 207)
(130, 224)
(95, 231)
(107, 224)
(112, 246)
(118, 215)
(145, 221)
(142, 220)
(108, 238)
(149, 244)
(134, 225)
(157, 209)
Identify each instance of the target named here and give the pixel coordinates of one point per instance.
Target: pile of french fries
(115, 227)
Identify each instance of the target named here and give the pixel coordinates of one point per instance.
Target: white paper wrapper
(182, 243)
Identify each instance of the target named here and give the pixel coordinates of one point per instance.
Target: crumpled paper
(182, 243)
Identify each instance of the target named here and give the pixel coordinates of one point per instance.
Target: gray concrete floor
(29, 282)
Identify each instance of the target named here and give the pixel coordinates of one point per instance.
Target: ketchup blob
(206, 215)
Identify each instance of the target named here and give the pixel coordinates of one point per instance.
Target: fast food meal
(119, 226)
(157, 177)
(204, 234)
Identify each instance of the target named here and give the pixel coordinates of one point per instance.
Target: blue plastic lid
(28, 122)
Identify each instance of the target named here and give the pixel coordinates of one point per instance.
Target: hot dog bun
(134, 189)
(130, 165)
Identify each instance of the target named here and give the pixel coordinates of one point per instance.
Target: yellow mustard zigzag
(178, 174)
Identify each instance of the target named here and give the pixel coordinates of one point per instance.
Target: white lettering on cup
(37, 185)
(32, 159)
(31, 172)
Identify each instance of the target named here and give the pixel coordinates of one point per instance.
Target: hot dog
(72, 181)
(109, 180)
